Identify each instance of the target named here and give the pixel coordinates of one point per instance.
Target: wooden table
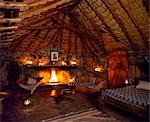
(59, 94)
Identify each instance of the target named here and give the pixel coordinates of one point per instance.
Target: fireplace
(54, 76)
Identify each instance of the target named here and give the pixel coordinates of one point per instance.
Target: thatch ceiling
(92, 26)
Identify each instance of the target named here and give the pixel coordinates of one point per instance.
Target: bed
(132, 98)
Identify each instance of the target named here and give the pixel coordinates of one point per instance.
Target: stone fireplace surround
(31, 84)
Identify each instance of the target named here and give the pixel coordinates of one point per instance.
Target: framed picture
(54, 56)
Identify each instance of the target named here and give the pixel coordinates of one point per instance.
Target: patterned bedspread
(130, 95)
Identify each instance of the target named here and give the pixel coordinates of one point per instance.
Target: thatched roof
(92, 26)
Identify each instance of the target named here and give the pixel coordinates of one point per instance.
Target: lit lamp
(29, 62)
(73, 62)
(63, 63)
(126, 81)
(41, 64)
(27, 102)
(99, 68)
(96, 69)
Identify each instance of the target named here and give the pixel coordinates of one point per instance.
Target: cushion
(31, 81)
(143, 85)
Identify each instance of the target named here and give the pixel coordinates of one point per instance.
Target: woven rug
(89, 115)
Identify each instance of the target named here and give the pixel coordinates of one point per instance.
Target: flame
(53, 93)
(53, 76)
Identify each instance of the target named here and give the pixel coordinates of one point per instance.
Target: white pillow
(143, 85)
(31, 81)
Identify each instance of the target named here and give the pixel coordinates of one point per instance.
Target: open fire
(55, 76)
(53, 79)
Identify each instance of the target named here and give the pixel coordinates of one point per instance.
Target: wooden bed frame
(141, 113)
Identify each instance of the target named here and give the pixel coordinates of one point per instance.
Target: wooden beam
(87, 32)
(12, 5)
(6, 37)
(76, 46)
(69, 42)
(41, 41)
(103, 21)
(61, 32)
(6, 40)
(7, 43)
(84, 49)
(8, 20)
(135, 24)
(66, 8)
(26, 50)
(119, 21)
(95, 27)
(54, 36)
(72, 28)
(51, 7)
(7, 33)
(34, 21)
(46, 34)
(8, 28)
(37, 47)
(91, 50)
(21, 38)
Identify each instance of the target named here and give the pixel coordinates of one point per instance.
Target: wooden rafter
(84, 49)
(95, 27)
(68, 8)
(135, 24)
(19, 40)
(119, 21)
(37, 47)
(50, 42)
(75, 46)
(69, 42)
(6, 20)
(30, 37)
(87, 33)
(61, 32)
(6, 40)
(6, 33)
(103, 21)
(46, 34)
(57, 37)
(8, 28)
(89, 48)
(31, 41)
(42, 7)
(69, 5)
(46, 15)
(12, 5)
(72, 28)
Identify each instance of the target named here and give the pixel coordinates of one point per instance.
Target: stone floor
(43, 106)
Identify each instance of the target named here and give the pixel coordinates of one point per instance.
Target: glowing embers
(55, 76)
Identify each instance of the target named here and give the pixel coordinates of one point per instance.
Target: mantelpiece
(65, 67)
